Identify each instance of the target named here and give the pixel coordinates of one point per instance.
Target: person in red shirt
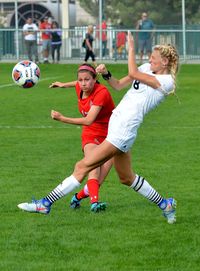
(95, 104)
(121, 42)
(104, 37)
(45, 26)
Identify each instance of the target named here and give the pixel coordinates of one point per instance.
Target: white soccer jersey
(137, 102)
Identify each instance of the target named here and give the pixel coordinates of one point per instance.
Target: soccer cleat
(75, 203)
(170, 211)
(98, 207)
(42, 206)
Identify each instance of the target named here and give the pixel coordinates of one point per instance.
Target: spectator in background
(45, 26)
(89, 44)
(121, 43)
(56, 41)
(30, 30)
(144, 38)
(104, 36)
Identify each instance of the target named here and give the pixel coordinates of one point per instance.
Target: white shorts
(122, 132)
(128, 115)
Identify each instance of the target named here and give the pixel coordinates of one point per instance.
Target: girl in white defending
(152, 82)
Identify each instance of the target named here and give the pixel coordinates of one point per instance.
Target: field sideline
(131, 235)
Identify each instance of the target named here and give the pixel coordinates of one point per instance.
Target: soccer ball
(26, 74)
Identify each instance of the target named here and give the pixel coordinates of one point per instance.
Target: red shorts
(94, 139)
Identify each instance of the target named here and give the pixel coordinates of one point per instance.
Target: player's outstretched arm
(63, 85)
(87, 120)
(112, 81)
(134, 73)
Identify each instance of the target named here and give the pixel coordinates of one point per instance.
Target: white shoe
(42, 206)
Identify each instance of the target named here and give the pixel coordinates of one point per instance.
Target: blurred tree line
(127, 12)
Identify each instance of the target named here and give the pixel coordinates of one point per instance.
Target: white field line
(37, 127)
(45, 79)
(76, 127)
(186, 127)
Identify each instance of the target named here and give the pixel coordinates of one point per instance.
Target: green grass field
(37, 153)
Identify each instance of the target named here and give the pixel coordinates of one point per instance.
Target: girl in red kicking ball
(95, 104)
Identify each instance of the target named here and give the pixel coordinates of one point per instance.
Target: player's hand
(56, 85)
(101, 68)
(56, 115)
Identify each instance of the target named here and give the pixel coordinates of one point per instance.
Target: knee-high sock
(93, 188)
(83, 193)
(141, 186)
(64, 188)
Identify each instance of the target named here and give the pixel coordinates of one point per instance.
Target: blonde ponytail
(170, 52)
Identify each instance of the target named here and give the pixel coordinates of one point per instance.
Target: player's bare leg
(100, 155)
(123, 167)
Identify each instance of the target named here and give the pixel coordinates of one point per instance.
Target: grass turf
(37, 153)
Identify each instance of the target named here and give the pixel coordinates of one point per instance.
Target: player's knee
(83, 166)
(80, 167)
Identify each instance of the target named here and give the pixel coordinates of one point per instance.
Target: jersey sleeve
(35, 27)
(78, 90)
(166, 82)
(144, 67)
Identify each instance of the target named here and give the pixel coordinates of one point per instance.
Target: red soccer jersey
(100, 96)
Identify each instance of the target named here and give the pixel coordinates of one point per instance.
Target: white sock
(64, 188)
(141, 186)
(86, 190)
